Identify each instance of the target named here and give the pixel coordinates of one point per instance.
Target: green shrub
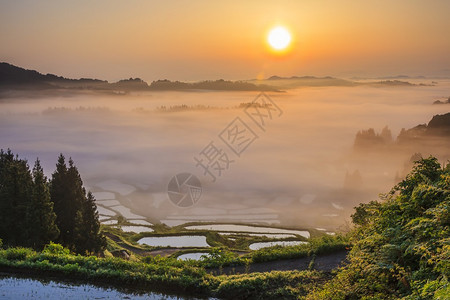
(269, 285)
(220, 257)
(321, 245)
(329, 244)
(18, 253)
(400, 245)
(57, 249)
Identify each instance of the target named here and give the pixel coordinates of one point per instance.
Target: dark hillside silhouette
(16, 78)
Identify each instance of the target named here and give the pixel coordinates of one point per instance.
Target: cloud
(296, 168)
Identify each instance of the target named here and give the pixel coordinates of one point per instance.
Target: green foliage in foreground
(222, 257)
(401, 246)
(163, 274)
(400, 249)
(315, 246)
(269, 285)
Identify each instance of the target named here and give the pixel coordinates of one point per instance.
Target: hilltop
(17, 78)
(437, 127)
(313, 81)
(14, 78)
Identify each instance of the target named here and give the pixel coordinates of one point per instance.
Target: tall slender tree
(34, 212)
(76, 213)
(63, 206)
(41, 217)
(15, 194)
(88, 237)
(6, 205)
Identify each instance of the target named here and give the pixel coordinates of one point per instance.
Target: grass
(270, 285)
(319, 244)
(156, 273)
(316, 246)
(168, 274)
(162, 274)
(213, 238)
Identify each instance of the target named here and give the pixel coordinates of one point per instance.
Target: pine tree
(61, 200)
(67, 195)
(6, 205)
(89, 238)
(32, 213)
(76, 213)
(15, 195)
(41, 217)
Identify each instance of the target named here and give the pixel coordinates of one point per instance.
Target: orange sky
(194, 40)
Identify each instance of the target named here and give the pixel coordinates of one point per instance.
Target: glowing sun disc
(279, 38)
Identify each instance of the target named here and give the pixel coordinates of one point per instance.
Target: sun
(279, 38)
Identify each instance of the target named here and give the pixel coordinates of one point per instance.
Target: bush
(220, 257)
(401, 244)
(321, 245)
(269, 285)
(18, 253)
(57, 249)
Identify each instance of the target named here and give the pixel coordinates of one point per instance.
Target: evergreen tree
(41, 217)
(89, 238)
(32, 213)
(15, 195)
(67, 195)
(77, 216)
(63, 206)
(6, 205)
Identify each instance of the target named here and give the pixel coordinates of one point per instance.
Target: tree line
(35, 210)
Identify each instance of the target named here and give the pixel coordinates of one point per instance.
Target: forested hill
(16, 78)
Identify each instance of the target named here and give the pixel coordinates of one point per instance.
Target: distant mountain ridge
(275, 77)
(16, 75)
(327, 81)
(16, 78)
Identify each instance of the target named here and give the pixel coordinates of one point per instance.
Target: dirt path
(163, 252)
(322, 263)
(132, 249)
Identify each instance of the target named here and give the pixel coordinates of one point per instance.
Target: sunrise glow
(279, 38)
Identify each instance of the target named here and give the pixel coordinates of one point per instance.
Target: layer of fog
(292, 174)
